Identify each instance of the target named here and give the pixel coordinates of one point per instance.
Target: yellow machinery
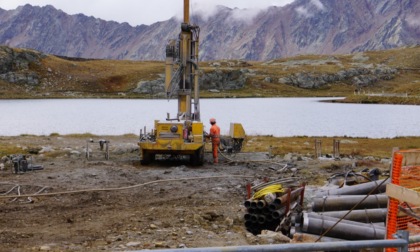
(183, 134)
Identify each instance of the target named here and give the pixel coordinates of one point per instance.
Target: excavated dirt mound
(117, 204)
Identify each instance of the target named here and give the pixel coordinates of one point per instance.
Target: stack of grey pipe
(331, 211)
(265, 214)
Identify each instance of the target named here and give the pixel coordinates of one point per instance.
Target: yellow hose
(276, 188)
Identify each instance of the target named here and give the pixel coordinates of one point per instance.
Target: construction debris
(346, 212)
(355, 212)
(271, 204)
(21, 165)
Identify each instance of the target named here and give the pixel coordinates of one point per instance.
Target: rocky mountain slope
(303, 27)
(32, 74)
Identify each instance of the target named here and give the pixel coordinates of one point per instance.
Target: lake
(259, 116)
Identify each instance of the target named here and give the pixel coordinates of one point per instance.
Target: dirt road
(168, 204)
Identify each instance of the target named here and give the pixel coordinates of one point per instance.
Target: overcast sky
(137, 12)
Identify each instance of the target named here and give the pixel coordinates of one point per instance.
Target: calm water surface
(263, 116)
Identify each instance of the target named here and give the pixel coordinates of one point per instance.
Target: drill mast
(182, 67)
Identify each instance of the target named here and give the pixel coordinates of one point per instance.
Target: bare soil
(168, 204)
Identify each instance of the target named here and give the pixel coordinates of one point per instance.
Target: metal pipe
(254, 218)
(278, 213)
(261, 219)
(187, 11)
(254, 210)
(261, 204)
(329, 218)
(346, 202)
(414, 239)
(360, 189)
(283, 200)
(299, 247)
(249, 224)
(293, 196)
(341, 230)
(366, 215)
(247, 203)
(254, 204)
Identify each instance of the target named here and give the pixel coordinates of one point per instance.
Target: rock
(362, 76)
(14, 65)
(133, 244)
(270, 237)
(75, 154)
(46, 149)
(153, 87)
(126, 148)
(360, 57)
(198, 219)
(223, 80)
(153, 226)
(1, 166)
(189, 232)
(45, 248)
(288, 157)
(385, 161)
(369, 158)
(228, 222)
(210, 215)
(268, 79)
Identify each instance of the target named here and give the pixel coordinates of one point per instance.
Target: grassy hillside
(77, 78)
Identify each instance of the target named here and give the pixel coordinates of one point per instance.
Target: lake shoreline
(349, 100)
(281, 146)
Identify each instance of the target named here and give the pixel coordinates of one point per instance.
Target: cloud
(236, 14)
(413, 21)
(302, 11)
(318, 4)
(138, 12)
(246, 15)
(308, 10)
(204, 9)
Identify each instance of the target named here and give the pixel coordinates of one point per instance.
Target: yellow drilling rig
(183, 134)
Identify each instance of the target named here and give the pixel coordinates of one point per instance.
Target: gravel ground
(117, 204)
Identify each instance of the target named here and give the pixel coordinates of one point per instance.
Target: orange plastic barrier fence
(405, 173)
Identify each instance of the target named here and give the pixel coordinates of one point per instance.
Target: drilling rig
(183, 134)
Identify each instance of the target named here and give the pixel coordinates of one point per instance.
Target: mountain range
(302, 27)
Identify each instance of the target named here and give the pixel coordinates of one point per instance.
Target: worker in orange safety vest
(215, 139)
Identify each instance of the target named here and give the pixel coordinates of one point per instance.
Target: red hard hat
(212, 120)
